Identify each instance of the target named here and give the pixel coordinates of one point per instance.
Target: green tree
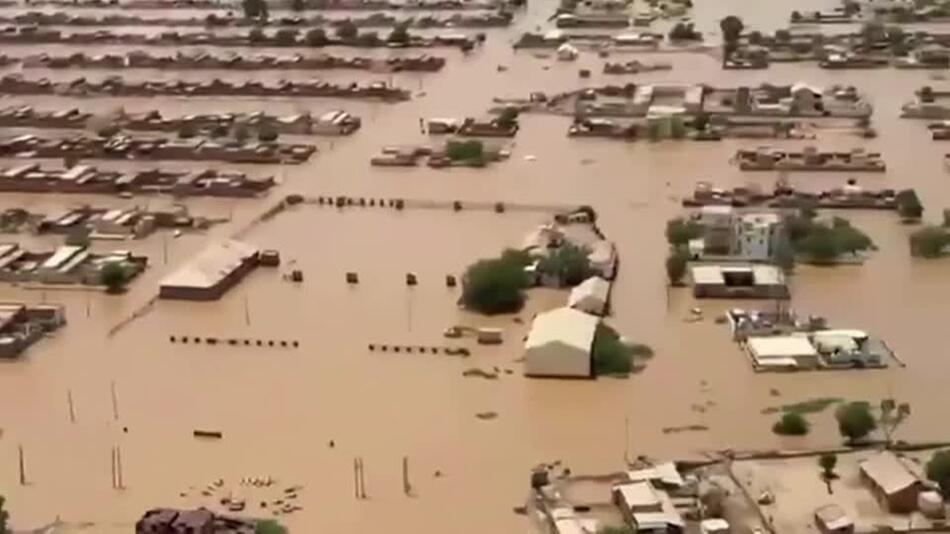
(849, 238)
(187, 131)
(267, 133)
(256, 35)
(569, 263)
(609, 353)
(855, 421)
(368, 38)
(347, 30)
(820, 245)
(297, 5)
(241, 132)
(828, 462)
(508, 117)
(929, 242)
(677, 128)
(680, 232)
(113, 276)
(731, 27)
(269, 526)
(791, 424)
(908, 205)
(471, 150)
(891, 416)
(701, 121)
(316, 37)
(252, 8)
(495, 285)
(938, 470)
(400, 34)
(676, 264)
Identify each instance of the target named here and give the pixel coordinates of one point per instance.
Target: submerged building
(560, 343)
(200, 521)
(590, 296)
(739, 281)
(21, 325)
(212, 273)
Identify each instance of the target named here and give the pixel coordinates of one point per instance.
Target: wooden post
(406, 486)
(626, 440)
(247, 312)
(72, 409)
(112, 463)
(22, 467)
(362, 480)
(356, 477)
(115, 402)
(118, 467)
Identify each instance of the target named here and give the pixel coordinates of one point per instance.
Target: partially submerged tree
(495, 285)
(471, 150)
(828, 462)
(891, 416)
(400, 34)
(267, 133)
(347, 30)
(569, 263)
(855, 421)
(676, 264)
(908, 205)
(508, 117)
(680, 231)
(609, 353)
(316, 37)
(285, 37)
(4, 516)
(269, 526)
(929, 242)
(791, 424)
(938, 470)
(113, 276)
(731, 27)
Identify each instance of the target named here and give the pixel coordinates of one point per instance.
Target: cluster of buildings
(809, 159)
(471, 127)
(157, 148)
(560, 342)
(21, 325)
(102, 223)
(68, 264)
(88, 179)
(16, 84)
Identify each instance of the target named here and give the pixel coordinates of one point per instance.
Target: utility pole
(72, 409)
(22, 467)
(247, 312)
(115, 402)
(406, 486)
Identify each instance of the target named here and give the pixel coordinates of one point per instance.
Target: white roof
(563, 325)
(780, 347)
(594, 288)
(715, 209)
(665, 473)
(211, 265)
(802, 85)
(887, 471)
(833, 516)
(61, 256)
(639, 495)
(710, 526)
(707, 274)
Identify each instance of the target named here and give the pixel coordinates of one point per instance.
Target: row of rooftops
(336, 5)
(33, 34)
(206, 60)
(379, 19)
(116, 85)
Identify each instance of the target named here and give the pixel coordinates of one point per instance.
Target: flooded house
(738, 281)
(559, 344)
(601, 127)
(648, 508)
(590, 296)
(22, 325)
(894, 486)
(210, 274)
(789, 352)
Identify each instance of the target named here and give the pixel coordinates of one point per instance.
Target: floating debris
(475, 371)
(485, 416)
(685, 428)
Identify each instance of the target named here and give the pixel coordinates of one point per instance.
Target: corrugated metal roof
(780, 347)
(563, 325)
(595, 288)
(887, 471)
(211, 265)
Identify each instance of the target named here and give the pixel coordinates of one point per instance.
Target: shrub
(791, 424)
(855, 420)
(347, 30)
(269, 526)
(676, 264)
(938, 470)
(569, 263)
(680, 232)
(731, 27)
(495, 285)
(684, 31)
(929, 242)
(400, 34)
(465, 150)
(241, 132)
(285, 37)
(316, 37)
(113, 276)
(368, 38)
(267, 133)
(187, 131)
(908, 205)
(256, 35)
(610, 355)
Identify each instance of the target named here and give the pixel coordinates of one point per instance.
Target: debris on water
(485, 416)
(685, 428)
(437, 474)
(530, 157)
(587, 161)
(502, 68)
(520, 510)
(508, 371)
(774, 392)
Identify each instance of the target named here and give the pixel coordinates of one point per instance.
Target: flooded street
(279, 408)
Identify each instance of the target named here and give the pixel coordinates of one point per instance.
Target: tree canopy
(113, 276)
(929, 242)
(569, 263)
(347, 30)
(676, 264)
(823, 242)
(316, 37)
(400, 34)
(680, 231)
(855, 420)
(495, 285)
(731, 27)
(791, 424)
(908, 205)
(938, 470)
(611, 356)
(269, 526)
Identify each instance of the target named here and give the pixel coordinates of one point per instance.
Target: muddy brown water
(278, 408)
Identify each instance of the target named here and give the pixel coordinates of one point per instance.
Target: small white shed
(590, 296)
(559, 344)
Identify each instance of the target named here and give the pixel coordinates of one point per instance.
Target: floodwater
(279, 408)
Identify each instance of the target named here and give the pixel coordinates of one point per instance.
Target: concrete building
(756, 236)
(738, 281)
(893, 485)
(647, 508)
(792, 352)
(560, 343)
(718, 224)
(590, 296)
(832, 519)
(210, 274)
